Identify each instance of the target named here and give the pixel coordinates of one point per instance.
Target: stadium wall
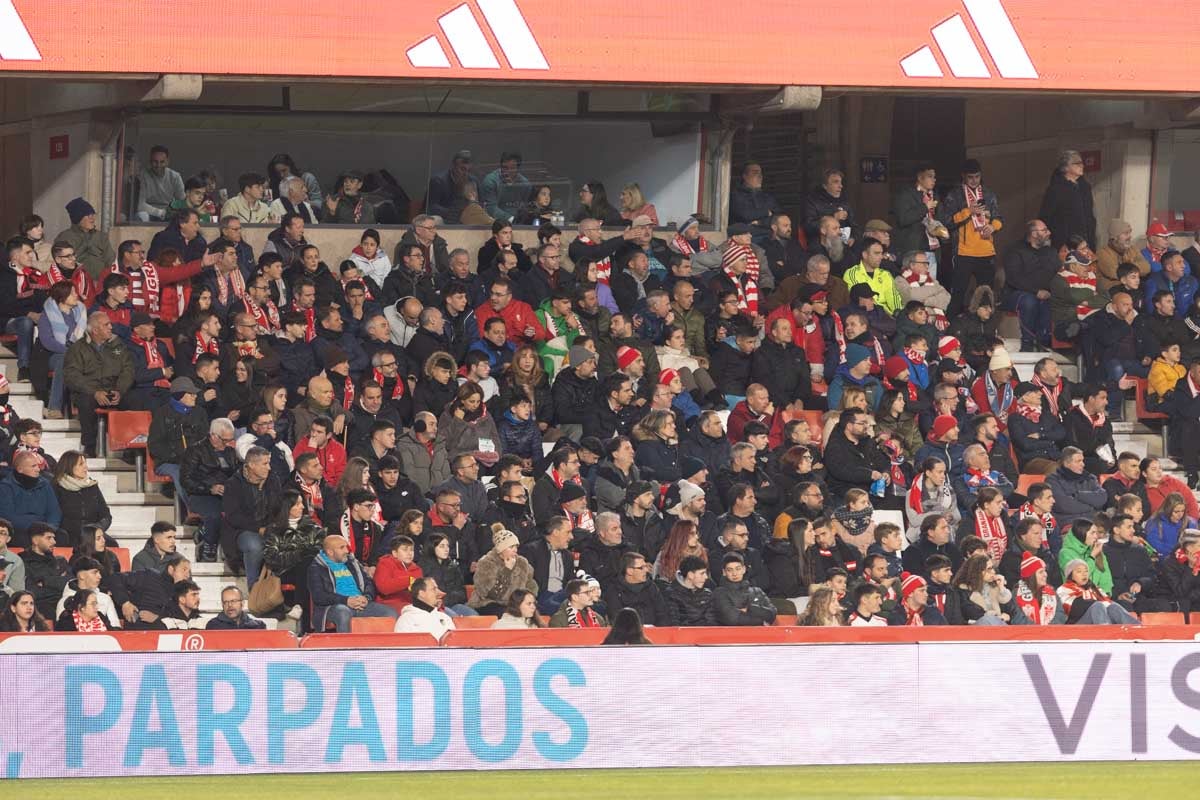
(160, 713)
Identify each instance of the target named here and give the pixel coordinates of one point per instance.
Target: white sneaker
(295, 613)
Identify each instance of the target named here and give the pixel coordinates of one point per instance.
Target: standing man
(915, 209)
(1067, 205)
(972, 214)
(750, 205)
(1029, 267)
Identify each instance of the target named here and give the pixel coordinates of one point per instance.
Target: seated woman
(79, 497)
(983, 597)
(1034, 596)
(930, 494)
(501, 571)
(63, 321)
(1085, 543)
(520, 613)
(82, 614)
(1085, 603)
(633, 204)
(1163, 529)
(853, 522)
(1180, 572)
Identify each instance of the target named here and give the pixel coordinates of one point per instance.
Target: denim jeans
(340, 615)
(461, 610)
(56, 383)
(250, 545)
(1114, 370)
(23, 327)
(172, 471)
(209, 508)
(1033, 314)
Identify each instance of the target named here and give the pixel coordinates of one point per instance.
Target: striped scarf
(1040, 610)
(747, 292)
(80, 278)
(839, 334)
(1082, 310)
(88, 626)
(265, 316)
(144, 289)
(154, 359)
(685, 247)
(310, 321)
(316, 500)
(232, 283)
(991, 530)
(1048, 522)
(211, 347)
(603, 266)
(1051, 393)
(584, 618)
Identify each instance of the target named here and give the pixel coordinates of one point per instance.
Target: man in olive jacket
(93, 250)
(99, 371)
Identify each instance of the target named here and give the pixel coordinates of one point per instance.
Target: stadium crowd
(703, 433)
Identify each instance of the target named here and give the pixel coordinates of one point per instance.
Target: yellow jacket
(1163, 377)
(886, 295)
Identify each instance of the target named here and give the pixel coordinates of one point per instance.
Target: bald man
(319, 402)
(340, 588)
(26, 497)
(98, 370)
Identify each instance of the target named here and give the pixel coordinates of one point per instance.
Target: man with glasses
(234, 616)
(208, 464)
(590, 245)
(464, 482)
(395, 396)
(410, 278)
(377, 340)
(66, 268)
(1067, 205)
(231, 230)
(537, 285)
(260, 432)
(513, 512)
(424, 234)
(971, 212)
(1029, 267)
(447, 517)
(520, 321)
(256, 303)
(852, 459)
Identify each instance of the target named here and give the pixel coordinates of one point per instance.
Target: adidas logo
(958, 49)
(471, 47)
(15, 42)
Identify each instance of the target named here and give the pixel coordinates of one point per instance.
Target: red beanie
(894, 366)
(948, 343)
(909, 583)
(1030, 564)
(666, 376)
(627, 355)
(941, 426)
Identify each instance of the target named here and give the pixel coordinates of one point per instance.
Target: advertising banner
(158, 713)
(995, 44)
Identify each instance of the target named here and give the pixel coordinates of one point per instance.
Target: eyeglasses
(521, 498)
(388, 365)
(448, 505)
(427, 228)
(501, 294)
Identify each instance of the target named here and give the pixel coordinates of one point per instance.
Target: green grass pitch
(1043, 781)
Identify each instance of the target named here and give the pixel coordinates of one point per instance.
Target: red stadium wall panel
(119, 641)
(994, 44)
(160, 713)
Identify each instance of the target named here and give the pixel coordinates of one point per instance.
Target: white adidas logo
(471, 47)
(15, 42)
(999, 36)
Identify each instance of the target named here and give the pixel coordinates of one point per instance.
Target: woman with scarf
(931, 495)
(987, 521)
(189, 322)
(466, 427)
(898, 374)
(1086, 603)
(79, 497)
(1034, 596)
(1035, 434)
(63, 321)
(82, 614)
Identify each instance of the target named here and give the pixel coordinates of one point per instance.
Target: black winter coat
(449, 577)
(731, 368)
(849, 466)
(329, 288)
(574, 398)
(148, 590)
(625, 290)
(202, 467)
(783, 369)
(781, 561)
(913, 557)
(690, 607)
(297, 363)
(1029, 270)
(1067, 210)
(1129, 563)
(756, 571)
(45, 576)
(84, 507)
(429, 395)
(730, 599)
(603, 562)
(519, 438)
(645, 598)
(1050, 434)
(171, 433)
(1175, 579)
(712, 451)
(658, 460)
(820, 203)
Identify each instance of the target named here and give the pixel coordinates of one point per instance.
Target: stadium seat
(784, 620)
(372, 625)
(1144, 413)
(1163, 618)
(150, 476)
(129, 430)
(1025, 481)
(464, 623)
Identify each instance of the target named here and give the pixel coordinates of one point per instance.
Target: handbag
(267, 593)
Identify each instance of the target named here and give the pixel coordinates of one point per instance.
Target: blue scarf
(180, 407)
(1005, 396)
(65, 330)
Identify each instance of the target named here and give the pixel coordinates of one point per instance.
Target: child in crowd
(853, 521)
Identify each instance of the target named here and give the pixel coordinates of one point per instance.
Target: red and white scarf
(584, 618)
(839, 334)
(685, 247)
(1082, 310)
(1048, 522)
(991, 530)
(154, 359)
(603, 266)
(397, 390)
(145, 293)
(1050, 392)
(346, 529)
(203, 346)
(916, 499)
(1031, 413)
(348, 396)
(1040, 610)
(310, 321)
(912, 616)
(974, 198)
(29, 280)
(1098, 420)
(929, 237)
(735, 251)
(266, 316)
(918, 279)
(362, 280)
(43, 465)
(1070, 591)
(316, 500)
(233, 282)
(747, 293)
(88, 625)
(80, 278)
(559, 480)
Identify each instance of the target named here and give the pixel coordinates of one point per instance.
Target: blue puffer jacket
(520, 438)
(22, 507)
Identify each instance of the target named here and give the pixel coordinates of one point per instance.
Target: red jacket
(741, 414)
(517, 317)
(332, 457)
(394, 580)
(1170, 484)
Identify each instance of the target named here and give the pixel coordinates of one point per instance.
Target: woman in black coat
(1067, 207)
(436, 388)
(79, 497)
(1179, 573)
(439, 564)
(658, 447)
